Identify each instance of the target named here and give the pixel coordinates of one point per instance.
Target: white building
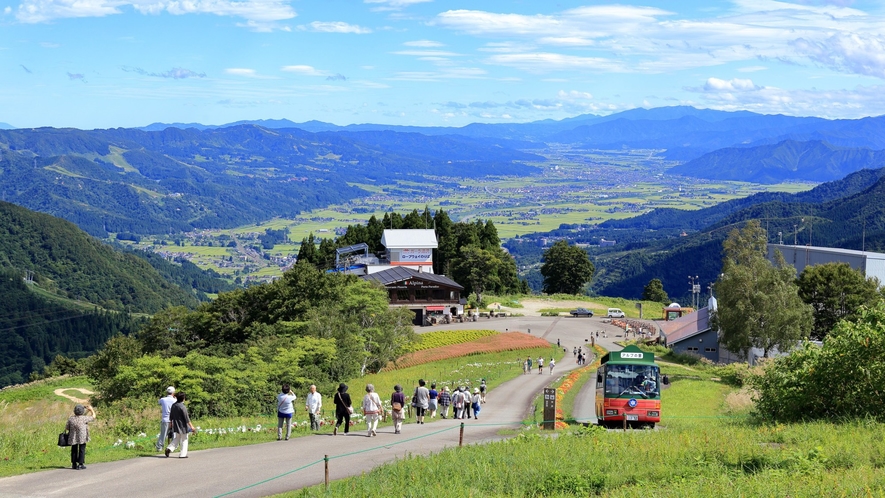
(870, 264)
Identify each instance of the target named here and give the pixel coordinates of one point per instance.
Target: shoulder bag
(63, 439)
(349, 408)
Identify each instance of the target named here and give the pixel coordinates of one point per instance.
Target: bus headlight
(654, 414)
(610, 412)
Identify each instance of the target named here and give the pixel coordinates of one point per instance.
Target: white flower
(130, 444)
(258, 427)
(141, 434)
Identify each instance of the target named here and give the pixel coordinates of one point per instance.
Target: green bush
(840, 380)
(734, 374)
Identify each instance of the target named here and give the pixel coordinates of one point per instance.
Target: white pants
(179, 438)
(372, 422)
(444, 411)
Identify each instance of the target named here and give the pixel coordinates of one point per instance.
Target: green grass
(697, 451)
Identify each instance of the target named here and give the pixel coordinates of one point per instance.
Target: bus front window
(632, 380)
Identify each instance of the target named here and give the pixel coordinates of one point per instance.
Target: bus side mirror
(599, 378)
(666, 380)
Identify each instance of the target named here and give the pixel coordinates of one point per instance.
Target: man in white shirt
(314, 404)
(166, 403)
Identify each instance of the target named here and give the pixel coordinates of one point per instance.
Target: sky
(127, 63)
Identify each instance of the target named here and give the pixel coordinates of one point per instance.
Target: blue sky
(110, 63)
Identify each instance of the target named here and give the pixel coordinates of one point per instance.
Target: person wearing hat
(371, 409)
(343, 408)
(166, 403)
(477, 400)
(445, 400)
(77, 428)
(482, 390)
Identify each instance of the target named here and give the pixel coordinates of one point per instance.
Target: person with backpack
(482, 390)
(397, 408)
(422, 401)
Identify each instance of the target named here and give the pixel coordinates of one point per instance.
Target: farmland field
(572, 187)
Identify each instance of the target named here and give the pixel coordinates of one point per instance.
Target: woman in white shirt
(285, 410)
(371, 409)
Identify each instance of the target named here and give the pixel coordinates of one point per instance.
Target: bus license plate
(632, 417)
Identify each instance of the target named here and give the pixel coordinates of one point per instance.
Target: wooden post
(625, 421)
(326, 459)
(461, 436)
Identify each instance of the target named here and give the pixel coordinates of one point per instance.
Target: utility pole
(695, 290)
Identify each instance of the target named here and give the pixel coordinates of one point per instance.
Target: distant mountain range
(6, 126)
(847, 213)
(789, 160)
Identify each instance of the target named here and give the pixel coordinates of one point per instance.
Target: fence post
(625, 421)
(461, 436)
(326, 459)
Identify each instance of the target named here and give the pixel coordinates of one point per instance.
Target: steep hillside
(72, 264)
(786, 161)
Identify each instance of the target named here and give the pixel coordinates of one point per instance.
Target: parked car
(615, 313)
(581, 312)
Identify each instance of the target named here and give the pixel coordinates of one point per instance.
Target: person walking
(343, 408)
(529, 360)
(540, 365)
(77, 428)
(314, 404)
(458, 403)
(445, 400)
(552, 364)
(181, 426)
(285, 410)
(433, 401)
(166, 403)
(482, 390)
(475, 402)
(397, 408)
(371, 409)
(422, 401)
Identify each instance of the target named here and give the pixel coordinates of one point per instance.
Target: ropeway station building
(406, 271)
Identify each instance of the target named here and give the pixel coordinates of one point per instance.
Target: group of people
(527, 364)
(174, 420)
(581, 357)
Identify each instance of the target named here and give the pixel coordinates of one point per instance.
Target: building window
(709, 350)
(692, 350)
(420, 294)
(402, 295)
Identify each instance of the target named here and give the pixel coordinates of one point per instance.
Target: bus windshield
(632, 381)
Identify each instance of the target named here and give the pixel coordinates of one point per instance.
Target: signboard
(549, 408)
(631, 356)
(416, 255)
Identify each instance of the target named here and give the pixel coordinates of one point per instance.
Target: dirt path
(61, 392)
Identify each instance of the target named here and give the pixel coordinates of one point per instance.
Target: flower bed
(442, 338)
(509, 341)
(569, 382)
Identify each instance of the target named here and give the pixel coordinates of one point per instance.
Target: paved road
(222, 470)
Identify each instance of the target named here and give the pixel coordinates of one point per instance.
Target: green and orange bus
(628, 388)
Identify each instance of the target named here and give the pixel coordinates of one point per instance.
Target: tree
(307, 253)
(836, 292)
(654, 291)
(566, 269)
(759, 304)
(478, 268)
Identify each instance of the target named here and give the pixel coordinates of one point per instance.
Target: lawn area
(701, 448)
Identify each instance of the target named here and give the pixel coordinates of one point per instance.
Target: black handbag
(63, 439)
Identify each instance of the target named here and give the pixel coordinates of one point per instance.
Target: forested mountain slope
(813, 161)
(174, 180)
(70, 263)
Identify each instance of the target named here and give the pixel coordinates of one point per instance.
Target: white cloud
(393, 4)
(574, 95)
(338, 27)
(752, 69)
(624, 38)
(423, 43)
(847, 52)
(445, 73)
(427, 53)
(732, 85)
(176, 73)
(305, 70)
(7, 10)
(259, 14)
(241, 71)
(737, 94)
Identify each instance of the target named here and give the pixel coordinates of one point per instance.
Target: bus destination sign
(632, 356)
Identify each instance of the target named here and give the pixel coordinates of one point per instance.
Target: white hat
(475, 389)
(170, 390)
